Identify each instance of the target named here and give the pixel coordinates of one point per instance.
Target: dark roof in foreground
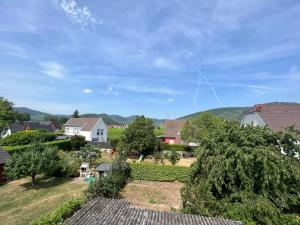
(279, 115)
(3, 156)
(115, 211)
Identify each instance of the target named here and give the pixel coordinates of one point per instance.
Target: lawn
(162, 196)
(20, 203)
(114, 133)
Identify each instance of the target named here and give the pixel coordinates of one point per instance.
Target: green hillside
(35, 114)
(229, 113)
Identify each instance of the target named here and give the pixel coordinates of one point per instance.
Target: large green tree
(24, 116)
(39, 159)
(7, 114)
(139, 137)
(75, 114)
(240, 173)
(89, 153)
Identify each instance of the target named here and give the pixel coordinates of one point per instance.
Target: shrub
(180, 148)
(154, 172)
(60, 144)
(174, 157)
(66, 210)
(110, 185)
(69, 164)
(77, 142)
(26, 137)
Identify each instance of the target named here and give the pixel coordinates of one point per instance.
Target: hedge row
(25, 137)
(63, 212)
(181, 148)
(61, 144)
(154, 172)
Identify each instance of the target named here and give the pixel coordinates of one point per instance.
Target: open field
(20, 203)
(114, 133)
(162, 196)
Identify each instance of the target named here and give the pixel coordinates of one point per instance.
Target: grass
(20, 203)
(115, 133)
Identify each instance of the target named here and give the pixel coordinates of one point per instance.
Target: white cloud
(146, 89)
(53, 69)
(79, 15)
(164, 63)
(171, 100)
(87, 91)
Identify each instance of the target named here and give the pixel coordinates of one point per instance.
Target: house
(119, 211)
(172, 131)
(276, 115)
(3, 157)
(93, 129)
(28, 125)
(103, 169)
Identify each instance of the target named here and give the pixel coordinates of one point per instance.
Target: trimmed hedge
(25, 137)
(61, 144)
(180, 148)
(66, 210)
(154, 172)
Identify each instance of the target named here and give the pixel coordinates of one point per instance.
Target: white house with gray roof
(93, 129)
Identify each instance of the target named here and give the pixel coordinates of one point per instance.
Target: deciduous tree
(7, 114)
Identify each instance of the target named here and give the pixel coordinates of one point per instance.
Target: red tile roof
(279, 115)
(86, 123)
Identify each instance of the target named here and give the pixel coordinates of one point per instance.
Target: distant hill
(35, 115)
(229, 113)
(108, 119)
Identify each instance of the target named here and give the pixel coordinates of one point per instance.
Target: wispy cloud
(53, 69)
(147, 89)
(164, 63)
(77, 14)
(171, 100)
(87, 91)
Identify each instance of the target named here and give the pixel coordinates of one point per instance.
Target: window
(67, 130)
(98, 132)
(101, 132)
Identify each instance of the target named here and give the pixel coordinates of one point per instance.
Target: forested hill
(229, 113)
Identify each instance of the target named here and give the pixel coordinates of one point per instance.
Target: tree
(77, 142)
(240, 173)
(7, 114)
(75, 114)
(62, 120)
(51, 118)
(21, 117)
(139, 137)
(287, 139)
(89, 153)
(39, 159)
(174, 156)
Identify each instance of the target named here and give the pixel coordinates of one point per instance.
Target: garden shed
(103, 169)
(3, 157)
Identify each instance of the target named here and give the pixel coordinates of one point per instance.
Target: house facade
(276, 115)
(93, 129)
(172, 131)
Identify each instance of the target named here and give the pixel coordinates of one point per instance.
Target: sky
(160, 58)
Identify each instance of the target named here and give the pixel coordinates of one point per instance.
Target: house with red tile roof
(172, 131)
(277, 115)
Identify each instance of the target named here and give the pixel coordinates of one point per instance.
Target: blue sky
(160, 58)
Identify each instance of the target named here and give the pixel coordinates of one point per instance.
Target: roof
(3, 156)
(20, 126)
(118, 211)
(17, 126)
(173, 127)
(103, 167)
(87, 124)
(279, 115)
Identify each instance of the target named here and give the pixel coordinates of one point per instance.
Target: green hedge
(61, 144)
(26, 137)
(66, 210)
(154, 172)
(181, 148)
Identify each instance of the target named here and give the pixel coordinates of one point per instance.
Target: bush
(26, 137)
(154, 172)
(66, 210)
(110, 185)
(180, 148)
(69, 164)
(77, 142)
(60, 144)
